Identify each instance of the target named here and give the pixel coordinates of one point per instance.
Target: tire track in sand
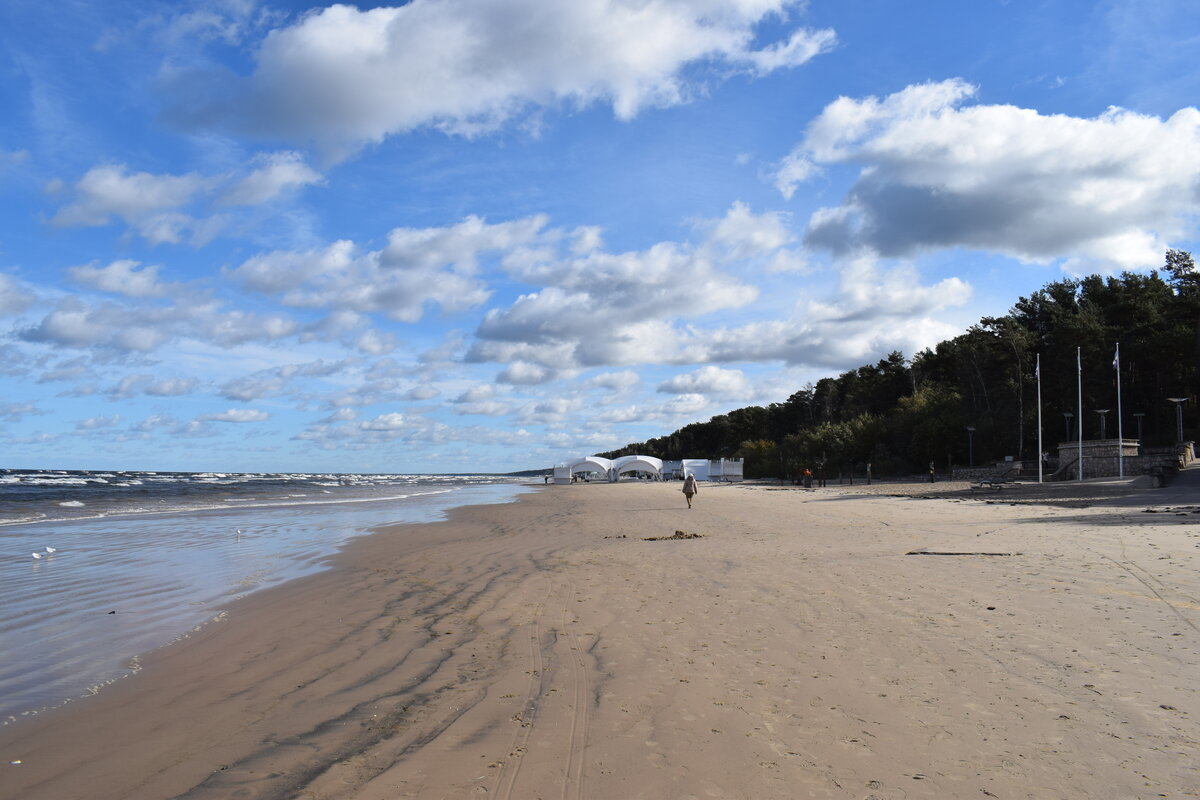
(577, 742)
(507, 778)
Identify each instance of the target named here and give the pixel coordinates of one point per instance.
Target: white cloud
(616, 381)
(237, 415)
(13, 298)
(16, 411)
(344, 77)
(175, 209)
(278, 173)
(743, 234)
(526, 374)
(143, 328)
(374, 343)
(155, 422)
(279, 380)
(385, 422)
(74, 324)
(172, 387)
(481, 399)
(875, 312)
(937, 173)
(417, 268)
(605, 308)
(709, 380)
(120, 277)
(97, 422)
(144, 201)
(801, 48)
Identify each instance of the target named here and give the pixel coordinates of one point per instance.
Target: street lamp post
(1067, 421)
(1178, 401)
(1103, 412)
(971, 445)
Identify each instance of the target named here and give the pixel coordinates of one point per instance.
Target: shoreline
(542, 647)
(161, 576)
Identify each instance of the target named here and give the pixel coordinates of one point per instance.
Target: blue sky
(460, 235)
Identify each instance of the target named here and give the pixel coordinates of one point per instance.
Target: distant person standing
(690, 489)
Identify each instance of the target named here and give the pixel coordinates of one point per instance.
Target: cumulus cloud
(174, 209)
(143, 328)
(97, 422)
(277, 173)
(743, 234)
(155, 422)
(708, 380)
(236, 415)
(75, 324)
(418, 267)
(524, 373)
(278, 380)
(13, 298)
(938, 172)
(16, 411)
(172, 387)
(616, 381)
(605, 308)
(875, 311)
(120, 277)
(385, 422)
(375, 343)
(342, 76)
(481, 399)
(681, 407)
(146, 202)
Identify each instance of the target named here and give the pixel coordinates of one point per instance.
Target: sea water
(126, 578)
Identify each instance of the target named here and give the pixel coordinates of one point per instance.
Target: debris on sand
(676, 535)
(923, 552)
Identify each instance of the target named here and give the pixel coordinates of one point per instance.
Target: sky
(491, 235)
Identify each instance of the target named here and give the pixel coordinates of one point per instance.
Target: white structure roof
(590, 464)
(638, 464)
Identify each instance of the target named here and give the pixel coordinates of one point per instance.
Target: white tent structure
(598, 468)
(589, 465)
(647, 464)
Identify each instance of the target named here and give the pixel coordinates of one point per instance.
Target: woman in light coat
(690, 488)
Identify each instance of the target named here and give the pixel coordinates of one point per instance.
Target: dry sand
(544, 649)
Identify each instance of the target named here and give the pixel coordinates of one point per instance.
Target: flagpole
(1120, 429)
(1037, 371)
(1079, 384)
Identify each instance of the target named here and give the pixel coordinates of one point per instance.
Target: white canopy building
(647, 464)
(598, 468)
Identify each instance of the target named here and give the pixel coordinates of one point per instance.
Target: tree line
(899, 415)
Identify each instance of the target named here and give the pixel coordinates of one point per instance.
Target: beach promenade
(891, 641)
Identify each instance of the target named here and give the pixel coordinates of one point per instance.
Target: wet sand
(836, 643)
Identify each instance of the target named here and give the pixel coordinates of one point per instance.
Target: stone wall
(1101, 458)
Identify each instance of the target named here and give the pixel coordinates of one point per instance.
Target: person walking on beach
(690, 488)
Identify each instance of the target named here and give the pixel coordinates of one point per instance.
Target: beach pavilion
(600, 468)
(647, 464)
(588, 465)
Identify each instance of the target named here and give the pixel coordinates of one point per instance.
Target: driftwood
(924, 552)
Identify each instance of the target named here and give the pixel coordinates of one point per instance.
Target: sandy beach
(853, 642)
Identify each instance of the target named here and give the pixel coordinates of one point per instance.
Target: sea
(98, 568)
